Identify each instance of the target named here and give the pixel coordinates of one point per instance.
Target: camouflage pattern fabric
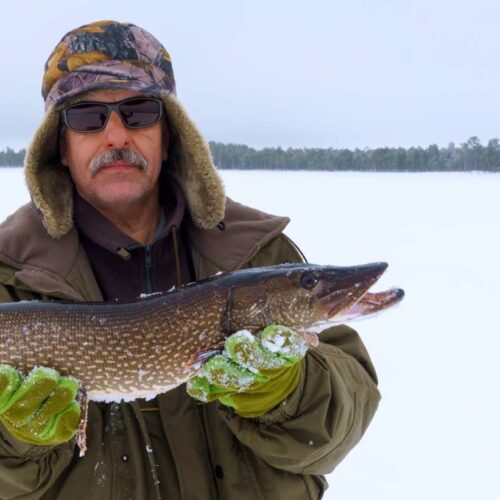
(106, 55)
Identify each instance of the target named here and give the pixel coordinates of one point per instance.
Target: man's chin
(116, 198)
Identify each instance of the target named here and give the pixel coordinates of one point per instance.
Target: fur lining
(193, 167)
(49, 183)
(190, 160)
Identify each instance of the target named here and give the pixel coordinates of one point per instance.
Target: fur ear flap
(193, 167)
(49, 183)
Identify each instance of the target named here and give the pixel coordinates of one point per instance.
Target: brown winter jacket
(209, 455)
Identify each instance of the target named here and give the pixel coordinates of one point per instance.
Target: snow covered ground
(437, 433)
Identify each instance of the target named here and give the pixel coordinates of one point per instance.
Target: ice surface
(436, 433)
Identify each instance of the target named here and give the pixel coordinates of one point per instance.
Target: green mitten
(40, 408)
(254, 374)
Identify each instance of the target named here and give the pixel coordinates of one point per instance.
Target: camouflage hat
(109, 55)
(106, 55)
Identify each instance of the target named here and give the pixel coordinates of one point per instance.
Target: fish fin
(205, 354)
(310, 338)
(81, 435)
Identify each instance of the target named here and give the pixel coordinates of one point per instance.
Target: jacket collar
(242, 233)
(59, 266)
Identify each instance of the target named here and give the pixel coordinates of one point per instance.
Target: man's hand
(254, 374)
(41, 408)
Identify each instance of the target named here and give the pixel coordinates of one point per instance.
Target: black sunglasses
(135, 112)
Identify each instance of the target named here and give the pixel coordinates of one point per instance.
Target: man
(126, 200)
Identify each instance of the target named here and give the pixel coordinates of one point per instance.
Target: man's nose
(116, 134)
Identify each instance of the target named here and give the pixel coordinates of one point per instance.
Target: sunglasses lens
(86, 117)
(137, 113)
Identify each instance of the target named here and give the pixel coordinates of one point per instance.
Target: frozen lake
(436, 434)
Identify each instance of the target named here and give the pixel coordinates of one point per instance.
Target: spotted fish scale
(117, 351)
(125, 350)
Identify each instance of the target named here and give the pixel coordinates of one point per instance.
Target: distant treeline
(470, 155)
(11, 158)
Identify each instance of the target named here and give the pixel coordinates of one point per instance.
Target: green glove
(254, 374)
(41, 408)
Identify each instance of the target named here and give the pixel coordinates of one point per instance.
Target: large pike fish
(129, 349)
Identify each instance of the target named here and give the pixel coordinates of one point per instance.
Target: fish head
(299, 295)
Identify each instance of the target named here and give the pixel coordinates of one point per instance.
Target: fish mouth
(372, 303)
(347, 286)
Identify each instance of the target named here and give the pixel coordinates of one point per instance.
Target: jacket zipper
(148, 268)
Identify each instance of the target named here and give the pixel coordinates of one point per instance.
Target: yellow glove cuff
(264, 396)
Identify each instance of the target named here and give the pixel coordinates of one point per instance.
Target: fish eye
(309, 280)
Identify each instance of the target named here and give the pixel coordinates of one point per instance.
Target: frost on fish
(117, 397)
(145, 295)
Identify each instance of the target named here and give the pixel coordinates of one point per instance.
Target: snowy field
(436, 434)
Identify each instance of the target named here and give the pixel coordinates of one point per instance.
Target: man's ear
(63, 147)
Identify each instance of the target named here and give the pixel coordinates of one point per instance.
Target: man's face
(119, 184)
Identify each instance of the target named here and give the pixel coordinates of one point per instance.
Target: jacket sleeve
(324, 418)
(27, 471)
(328, 413)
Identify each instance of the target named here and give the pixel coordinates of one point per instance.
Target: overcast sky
(321, 73)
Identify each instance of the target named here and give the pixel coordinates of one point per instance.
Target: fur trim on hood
(190, 161)
(113, 55)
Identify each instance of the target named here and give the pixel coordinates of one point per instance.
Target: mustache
(116, 155)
